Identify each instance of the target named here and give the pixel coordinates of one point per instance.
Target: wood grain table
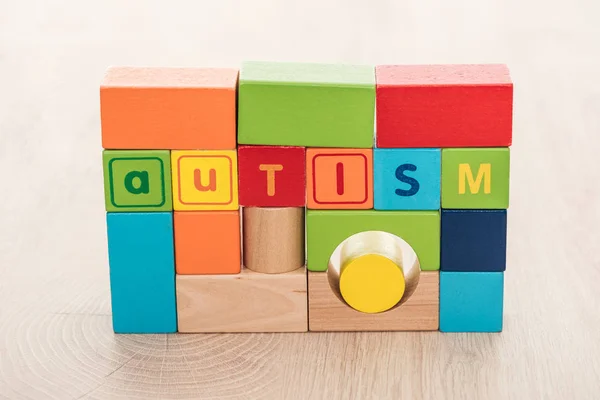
(56, 340)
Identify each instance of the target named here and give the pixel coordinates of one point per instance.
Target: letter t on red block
(272, 176)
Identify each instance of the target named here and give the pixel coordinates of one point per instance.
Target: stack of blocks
(218, 181)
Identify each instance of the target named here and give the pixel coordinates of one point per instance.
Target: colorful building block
(475, 178)
(137, 180)
(205, 180)
(207, 242)
(407, 179)
(295, 104)
(272, 176)
(326, 229)
(339, 178)
(142, 272)
(471, 301)
(444, 106)
(473, 240)
(248, 302)
(326, 312)
(169, 108)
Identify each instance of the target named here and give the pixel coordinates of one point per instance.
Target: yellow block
(372, 283)
(204, 180)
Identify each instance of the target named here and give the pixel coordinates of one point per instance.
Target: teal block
(471, 301)
(142, 272)
(303, 104)
(407, 179)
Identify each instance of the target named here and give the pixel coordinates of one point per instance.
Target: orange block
(169, 108)
(207, 242)
(339, 178)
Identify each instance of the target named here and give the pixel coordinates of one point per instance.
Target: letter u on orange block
(205, 180)
(339, 178)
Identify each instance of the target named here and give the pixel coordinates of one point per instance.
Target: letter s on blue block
(414, 184)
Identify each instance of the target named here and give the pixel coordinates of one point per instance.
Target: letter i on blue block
(407, 179)
(142, 272)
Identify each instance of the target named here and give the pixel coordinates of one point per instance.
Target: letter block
(205, 180)
(339, 178)
(137, 180)
(475, 178)
(407, 179)
(272, 176)
(444, 106)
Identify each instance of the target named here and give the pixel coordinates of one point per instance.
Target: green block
(326, 229)
(312, 105)
(137, 180)
(475, 178)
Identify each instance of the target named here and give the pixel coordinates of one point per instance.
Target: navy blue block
(473, 240)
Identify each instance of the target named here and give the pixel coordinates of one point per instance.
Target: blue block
(406, 179)
(471, 301)
(142, 272)
(473, 240)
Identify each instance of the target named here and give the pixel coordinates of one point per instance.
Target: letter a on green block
(144, 185)
(137, 180)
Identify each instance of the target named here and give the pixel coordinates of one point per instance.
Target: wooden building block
(207, 242)
(326, 229)
(142, 272)
(205, 180)
(327, 312)
(407, 179)
(473, 240)
(272, 176)
(444, 106)
(137, 180)
(317, 105)
(471, 301)
(339, 178)
(273, 239)
(475, 178)
(169, 108)
(248, 302)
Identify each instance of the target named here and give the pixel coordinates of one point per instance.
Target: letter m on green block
(475, 178)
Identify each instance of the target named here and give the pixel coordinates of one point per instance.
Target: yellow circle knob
(372, 283)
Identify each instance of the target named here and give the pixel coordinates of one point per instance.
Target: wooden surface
(247, 302)
(273, 239)
(56, 340)
(418, 312)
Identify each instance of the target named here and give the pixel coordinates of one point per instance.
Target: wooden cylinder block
(273, 239)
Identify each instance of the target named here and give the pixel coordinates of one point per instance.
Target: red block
(272, 176)
(444, 106)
